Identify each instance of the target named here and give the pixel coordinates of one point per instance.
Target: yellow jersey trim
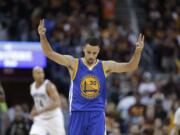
(76, 68)
(90, 67)
(103, 66)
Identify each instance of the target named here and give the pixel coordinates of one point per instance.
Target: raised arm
(116, 67)
(65, 60)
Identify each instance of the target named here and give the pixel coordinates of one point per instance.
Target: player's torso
(88, 89)
(42, 100)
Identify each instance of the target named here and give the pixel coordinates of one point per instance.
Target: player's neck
(89, 64)
(39, 83)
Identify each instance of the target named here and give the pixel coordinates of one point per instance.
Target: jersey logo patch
(90, 87)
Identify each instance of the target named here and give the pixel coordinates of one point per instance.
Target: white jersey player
(176, 129)
(46, 113)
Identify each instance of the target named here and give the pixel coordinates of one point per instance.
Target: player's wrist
(138, 50)
(42, 35)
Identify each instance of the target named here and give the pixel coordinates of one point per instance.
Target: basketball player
(46, 113)
(88, 82)
(176, 129)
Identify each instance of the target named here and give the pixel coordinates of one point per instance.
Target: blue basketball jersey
(88, 88)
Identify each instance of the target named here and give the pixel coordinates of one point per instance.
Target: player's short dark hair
(93, 41)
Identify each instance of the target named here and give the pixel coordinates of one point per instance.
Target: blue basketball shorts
(87, 123)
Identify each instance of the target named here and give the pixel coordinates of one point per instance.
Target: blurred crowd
(162, 30)
(70, 22)
(139, 103)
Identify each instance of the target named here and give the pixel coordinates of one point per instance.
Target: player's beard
(90, 61)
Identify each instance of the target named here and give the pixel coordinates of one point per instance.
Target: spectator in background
(149, 120)
(137, 111)
(112, 120)
(147, 86)
(158, 127)
(114, 93)
(160, 112)
(109, 9)
(176, 129)
(3, 31)
(3, 108)
(134, 130)
(168, 55)
(19, 125)
(2, 94)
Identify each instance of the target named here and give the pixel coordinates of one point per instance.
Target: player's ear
(84, 47)
(98, 49)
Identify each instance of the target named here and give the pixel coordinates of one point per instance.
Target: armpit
(108, 71)
(70, 67)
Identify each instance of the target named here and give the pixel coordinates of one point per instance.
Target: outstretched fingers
(143, 39)
(139, 37)
(40, 22)
(43, 22)
(140, 41)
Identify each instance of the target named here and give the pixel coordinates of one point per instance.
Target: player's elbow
(57, 103)
(49, 54)
(132, 68)
(135, 68)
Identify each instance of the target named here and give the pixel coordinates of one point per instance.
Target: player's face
(91, 53)
(38, 74)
